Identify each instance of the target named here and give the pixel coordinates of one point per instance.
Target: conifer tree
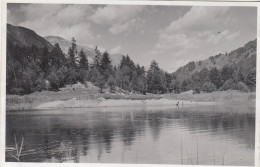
(72, 53)
(156, 80)
(83, 62)
(105, 61)
(105, 66)
(97, 58)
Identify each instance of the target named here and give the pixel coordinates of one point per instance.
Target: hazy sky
(171, 35)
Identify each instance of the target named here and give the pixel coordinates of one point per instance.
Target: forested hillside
(234, 70)
(243, 57)
(24, 37)
(33, 64)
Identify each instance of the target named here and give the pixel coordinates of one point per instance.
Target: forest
(31, 69)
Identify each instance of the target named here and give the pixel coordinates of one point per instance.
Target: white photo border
(3, 16)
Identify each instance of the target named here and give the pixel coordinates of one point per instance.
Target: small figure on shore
(177, 104)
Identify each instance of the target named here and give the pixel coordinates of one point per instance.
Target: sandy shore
(101, 102)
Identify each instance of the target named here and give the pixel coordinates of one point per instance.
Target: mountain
(243, 58)
(65, 45)
(25, 37)
(90, 52)
(22, 36)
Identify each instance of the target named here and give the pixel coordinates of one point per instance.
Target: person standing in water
(177, 104)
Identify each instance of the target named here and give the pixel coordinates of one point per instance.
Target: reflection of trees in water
(85, 141)
(47, 141)
(58, 129)
(101, 130)
(220, 121)
(75, 154)
(138, 121)
(155, 121)
(107, 137)
(127, 129)
(103, 136)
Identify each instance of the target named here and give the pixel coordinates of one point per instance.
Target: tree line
(31, 69)
(226, 78)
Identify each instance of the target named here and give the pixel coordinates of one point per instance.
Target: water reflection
(88, 135)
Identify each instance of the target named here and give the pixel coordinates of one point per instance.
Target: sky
(170, 35)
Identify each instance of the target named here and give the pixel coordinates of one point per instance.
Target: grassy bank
(79, 92)
(230, 96)
(15, 102)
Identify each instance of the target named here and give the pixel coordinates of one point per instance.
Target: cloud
(233, 35)
(215, 37)
(200, 24)
(110, 14)
(66, 21)
(11, 18)
(74, 14)
(200, 30)
(116, 50)
(119, 18)
(122, 27)
(199, 19)
(36, 11)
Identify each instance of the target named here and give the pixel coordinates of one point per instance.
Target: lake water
(220, 135)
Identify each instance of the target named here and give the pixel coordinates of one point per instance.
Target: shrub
(40, 84)
(112, 84)
(228, 85)
(232, 85)
(196, 91)
(54, 82)
(14, 90)
(251, 79)
(208, 87)
(242, 87)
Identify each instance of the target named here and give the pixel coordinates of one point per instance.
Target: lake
(208, 135)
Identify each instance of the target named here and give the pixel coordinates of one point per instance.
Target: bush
(14, 90)
(196, 91)
(40, 84)
(251, 79)
(208, 87)
(242, 87)
(228, 85)
(54, 81)
(112, 84)
(232, 85)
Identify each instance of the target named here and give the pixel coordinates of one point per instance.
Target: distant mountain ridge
(242, 58)
(90, 52)
(65, 45)
(26, 37)
(22, 36)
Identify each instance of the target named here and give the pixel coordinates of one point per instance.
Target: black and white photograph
(119, 83)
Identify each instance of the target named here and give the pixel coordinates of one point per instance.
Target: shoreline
(80, 99)
(101, 102)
